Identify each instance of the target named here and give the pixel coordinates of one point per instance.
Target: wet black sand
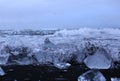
(49, 73)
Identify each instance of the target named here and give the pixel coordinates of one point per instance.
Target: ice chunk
(44, 57)
(24, 61)
(4, 58)
(2, 73)
(115, 79)
(58, 53)
(62, 65)
(92, 75)
(99, 60)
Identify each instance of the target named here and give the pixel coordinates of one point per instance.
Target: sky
(39, 14)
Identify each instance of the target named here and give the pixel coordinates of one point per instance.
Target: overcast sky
(36, 14)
